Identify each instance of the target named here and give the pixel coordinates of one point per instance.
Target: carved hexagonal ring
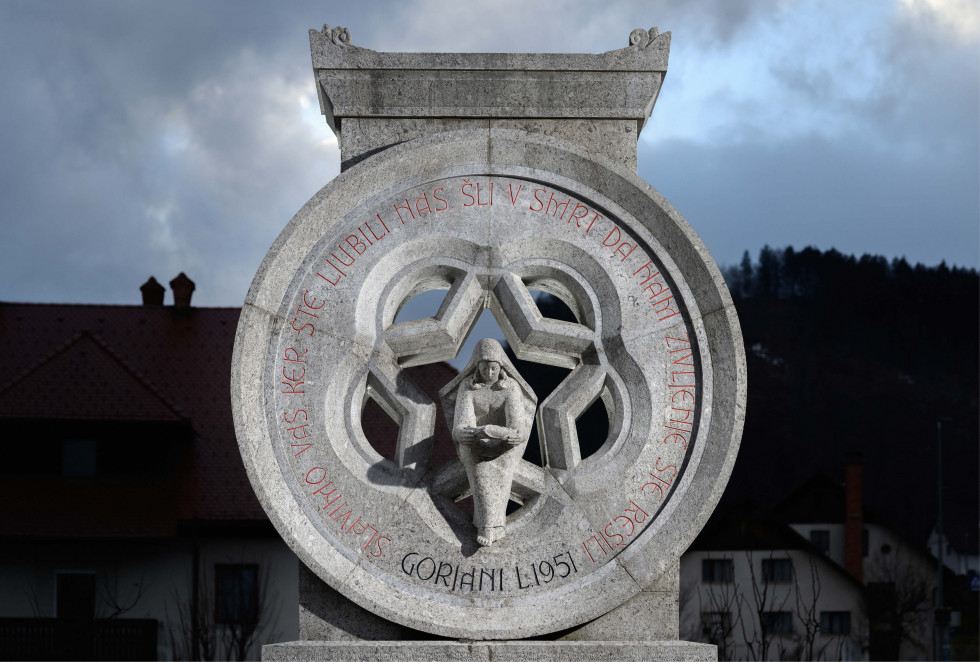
(489, 216)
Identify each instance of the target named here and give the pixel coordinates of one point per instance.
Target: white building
(820, 577)
(959, 549)
(758, 590)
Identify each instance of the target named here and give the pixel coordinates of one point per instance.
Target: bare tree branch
(903, 599)
(206, 639)
(111, 594)
(806, 609)
(722, 599)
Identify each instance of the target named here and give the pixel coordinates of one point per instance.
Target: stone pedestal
(326, 615)
(610, 138)
(495, 651)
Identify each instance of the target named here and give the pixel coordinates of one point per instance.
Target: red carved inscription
(342, 514)
(682, 382)
(660, 481)
(616, 533)
(292, 383)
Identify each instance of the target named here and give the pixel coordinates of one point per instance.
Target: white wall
(151, 578)
(957, 561)
(836, 552)
(833, 591)
(891, 559)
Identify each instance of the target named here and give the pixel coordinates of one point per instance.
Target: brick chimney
(183, 288)
(853, 516)
(152, 292)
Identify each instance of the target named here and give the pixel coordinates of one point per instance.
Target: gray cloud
(150, 139)
(147, 138)
(821, 193)
(561, 26)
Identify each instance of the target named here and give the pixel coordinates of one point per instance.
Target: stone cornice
(359, 82)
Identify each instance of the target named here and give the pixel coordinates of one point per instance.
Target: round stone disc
(489, 217)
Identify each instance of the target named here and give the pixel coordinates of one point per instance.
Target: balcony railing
(64, 639)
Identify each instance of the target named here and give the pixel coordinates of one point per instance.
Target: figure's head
(489, 349)
(489, 371)
(490, 358)
(488, 368)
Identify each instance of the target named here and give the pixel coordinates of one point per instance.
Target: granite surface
(529, 651)
(656, 340)
(615, 139)
(489, 177)
(359, 82)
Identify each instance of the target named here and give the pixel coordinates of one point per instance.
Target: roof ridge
(44, 359)
(750, 505)
(138, 376)
(101, 344)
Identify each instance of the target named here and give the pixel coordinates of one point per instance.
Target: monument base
(650, 616)
(331, 627)
(498, 651)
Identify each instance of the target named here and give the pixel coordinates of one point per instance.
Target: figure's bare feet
(488, 535)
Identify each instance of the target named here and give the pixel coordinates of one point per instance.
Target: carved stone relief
(492, 412)
(655, 340)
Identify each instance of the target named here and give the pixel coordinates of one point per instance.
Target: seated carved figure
(493, 408)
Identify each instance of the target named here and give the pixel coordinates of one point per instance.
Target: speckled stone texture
(428, 200)
(610, 138)
(375, 100)
(500, 651)
(359, 82)
(326, 615)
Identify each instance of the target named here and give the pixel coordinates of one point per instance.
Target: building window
(777, 622)
(75, 595)
(715, 625)
(236, 593)
(78, 458)
(715, 571)
(835, 622)
(820, 538)
(778, 571)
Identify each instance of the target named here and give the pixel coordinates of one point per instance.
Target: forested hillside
(861, 354)
(847, 355)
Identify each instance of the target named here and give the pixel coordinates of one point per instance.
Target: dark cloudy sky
(143, 138)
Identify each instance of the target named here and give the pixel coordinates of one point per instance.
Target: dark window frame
(835, 622)
(716, 625)
(236, 602)
(825, 535)
(778, 623)
(79, 458)
(777, 570)
(70, 586)
(717, 571)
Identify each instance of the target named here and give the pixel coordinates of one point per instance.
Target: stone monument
(489, 176)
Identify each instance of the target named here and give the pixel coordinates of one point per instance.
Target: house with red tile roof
(128, 527)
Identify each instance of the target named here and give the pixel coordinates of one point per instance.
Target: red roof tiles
(139, 363)
(83, 379)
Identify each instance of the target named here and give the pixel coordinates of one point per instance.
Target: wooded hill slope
(848, 355)
(862, 355)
